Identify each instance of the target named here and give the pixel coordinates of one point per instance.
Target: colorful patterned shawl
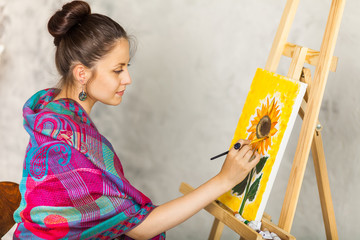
(73, 185)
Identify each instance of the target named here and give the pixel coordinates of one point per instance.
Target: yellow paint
(265, 86)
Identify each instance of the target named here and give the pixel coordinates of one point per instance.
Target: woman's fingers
(249, 153)
(255, 158)
(239, 144)
(238, 162)
(245, 150)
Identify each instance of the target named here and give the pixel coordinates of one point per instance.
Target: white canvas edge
(281, 150)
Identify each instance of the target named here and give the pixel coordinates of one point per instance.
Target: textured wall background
(191, 73)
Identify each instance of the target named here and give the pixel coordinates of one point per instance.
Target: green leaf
(253, 189)
(239, 189)
(261, 164)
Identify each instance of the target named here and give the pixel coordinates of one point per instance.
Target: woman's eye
(118, 71)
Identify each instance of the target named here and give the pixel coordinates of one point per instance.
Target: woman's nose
(126, 79)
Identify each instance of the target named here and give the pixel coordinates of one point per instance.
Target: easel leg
(216, 230)
(311, 115)
(322, 178)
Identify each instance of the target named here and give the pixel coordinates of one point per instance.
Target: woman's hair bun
(63, 20)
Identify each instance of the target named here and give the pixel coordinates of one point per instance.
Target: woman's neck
(72, 94)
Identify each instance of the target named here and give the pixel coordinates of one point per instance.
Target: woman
(73, 184)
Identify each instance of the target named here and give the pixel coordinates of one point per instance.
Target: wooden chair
(9, 201)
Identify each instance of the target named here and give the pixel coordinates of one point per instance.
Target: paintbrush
(238, 145)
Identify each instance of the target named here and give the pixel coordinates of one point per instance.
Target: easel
(310, 134)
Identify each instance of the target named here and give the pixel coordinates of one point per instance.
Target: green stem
(246, 193)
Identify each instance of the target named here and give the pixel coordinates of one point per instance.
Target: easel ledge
(224, 216)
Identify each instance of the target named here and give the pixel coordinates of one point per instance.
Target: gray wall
(191, 73)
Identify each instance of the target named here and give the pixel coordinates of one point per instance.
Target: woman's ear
(81, 74)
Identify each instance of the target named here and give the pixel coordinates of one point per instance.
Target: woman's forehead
(118, 54)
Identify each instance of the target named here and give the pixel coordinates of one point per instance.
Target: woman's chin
(113, 102)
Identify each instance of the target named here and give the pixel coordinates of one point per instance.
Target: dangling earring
(82, 95)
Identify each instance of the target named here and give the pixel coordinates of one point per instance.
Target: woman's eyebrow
(120, 64)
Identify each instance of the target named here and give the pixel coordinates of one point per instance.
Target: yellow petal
(252, 136)
(268, 142)
(276, 115)
(264, 111)
(271, 107)
(255, 121)
(273, 131)
(252, 128)
(263, 148)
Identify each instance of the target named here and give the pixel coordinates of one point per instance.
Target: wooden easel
(310, 134)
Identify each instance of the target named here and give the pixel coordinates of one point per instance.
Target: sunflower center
(263, 127)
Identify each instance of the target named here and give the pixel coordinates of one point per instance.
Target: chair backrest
(9, 201)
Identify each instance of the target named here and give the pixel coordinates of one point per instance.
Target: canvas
(270, 110)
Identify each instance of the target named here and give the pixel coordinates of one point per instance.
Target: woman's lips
(120, 93)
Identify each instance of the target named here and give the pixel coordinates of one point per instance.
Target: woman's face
(111, 75)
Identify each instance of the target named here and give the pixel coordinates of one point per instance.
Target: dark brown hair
(81, 37)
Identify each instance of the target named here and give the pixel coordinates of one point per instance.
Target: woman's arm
(170, 214)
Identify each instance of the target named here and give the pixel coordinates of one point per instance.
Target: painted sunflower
(264, 124)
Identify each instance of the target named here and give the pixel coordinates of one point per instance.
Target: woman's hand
(237, 163)
(170, 214)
